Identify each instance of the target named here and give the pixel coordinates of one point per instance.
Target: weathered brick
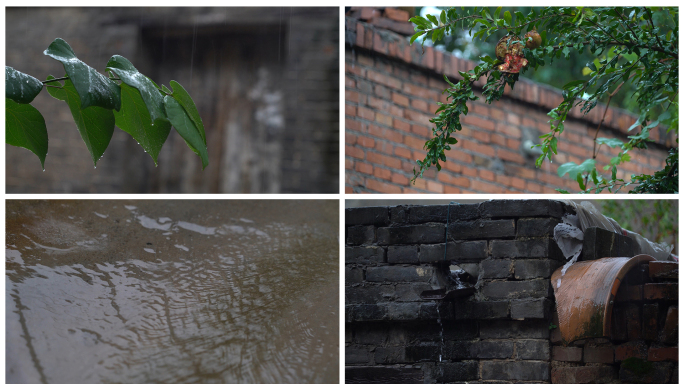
(458, 350)
(649, 322)
(403, 311)
(663, 269)
(430, 330)
(645, 372)
(482, 229)
(508, 329)
(598, 354)
(661, 291)
(633, 316)
(360, 235)
(411, 292)
(637, 349)
(663, 354)
(521, 208)
(583, 375)
(515, 370)
(353, 275)
(460, 371)
(526, 249)
(423, 352)
(536, 227)
(531, 309)
(417, 234)
(369, 333)
(436, 310)
(496, 269)
(481, 310)
(364, 255)
(369, 294)
(399, 274)
(530, 269)
(599, 243)
(670, 332)
(356, 355)
(402, 254)
(567, 353)
(386, 374)
(532, 350)
(455, 250)
(485, 349)
(390, 355)
(377, 216)
(366, 312)
(399, 214)
(438, 213)
(516, 289)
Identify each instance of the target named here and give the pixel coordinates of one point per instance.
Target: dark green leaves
(134, 118)
(25, 127)
(21, 87)
(184, 99)
(95, 124)
(186, 128)
(92, 87)
(149, 92)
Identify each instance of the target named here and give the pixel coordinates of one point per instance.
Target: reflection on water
(172, 292)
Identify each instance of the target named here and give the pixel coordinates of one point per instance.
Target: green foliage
(656, 220)
(127, 99)
(628, 49)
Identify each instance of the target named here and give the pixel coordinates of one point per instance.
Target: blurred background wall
(265, 82)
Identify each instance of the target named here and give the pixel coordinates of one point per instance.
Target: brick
(481, 310)
(410, 292)
(661, 291)
(356, 355)
(670, 332)
(361, 234)
(367, 216)
(423, 352)
(370, 294)
(398, 214)
(531, 309)
(645, 372)
(382, 187)
(496, 269)
(516, 289)
(389, 355)
(364, 255)
(399, 254)
(663, 354)
(599, 243)
(518, 249)
(650, 322)
(583, 375)
(532, 350)
(366, 312)
(482, 229)
(388, 375)
(485, 349)
(396, 14)
(536, 227)
(438, 213)
(567, 353)
(508, 329)
(416, 234)
(458, 251)
(515, 370)
(458, 350)
(531, 269)
(630, 293)
(353, 275)
(460, 371)
(633, 317)
(598, 355)
(636, 349)
(399, 274)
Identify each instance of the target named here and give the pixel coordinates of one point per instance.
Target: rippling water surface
(172, 292)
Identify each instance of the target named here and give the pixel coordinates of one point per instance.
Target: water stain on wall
(172, 291)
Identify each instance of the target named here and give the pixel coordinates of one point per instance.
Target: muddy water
(172, 292)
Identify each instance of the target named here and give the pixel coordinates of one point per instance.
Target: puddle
(172, 291)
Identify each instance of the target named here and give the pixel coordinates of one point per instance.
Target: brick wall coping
(393, 45)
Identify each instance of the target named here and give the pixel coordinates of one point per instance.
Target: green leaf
(186, 128)
(570, 168)
(184, 99)
(417, 35)
(93, 88)
(25, 127)
(95, 124)
(433, 19)
(613, 143)
(507, 18)
(554, 145)
(580, 181)
(573, 84)
(21, 87)
(149, 92)
(134, 118)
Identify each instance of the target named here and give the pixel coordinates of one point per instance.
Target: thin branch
(53, 80)
(650, 20)
(625, 22)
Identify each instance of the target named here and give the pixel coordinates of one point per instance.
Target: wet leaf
(25, 127)
(95, 124)
(184, 99)
(21, 87)
(134, 119)
(186, 128)
(147, 88)
(93, 88)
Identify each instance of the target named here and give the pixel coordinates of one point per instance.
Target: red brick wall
(391, 90)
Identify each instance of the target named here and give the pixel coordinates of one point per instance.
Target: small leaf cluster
(636, 45)
(126, 98)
